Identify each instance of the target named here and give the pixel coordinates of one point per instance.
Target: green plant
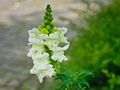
(48, 44)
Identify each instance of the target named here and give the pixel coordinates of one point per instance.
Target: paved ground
(16, 17)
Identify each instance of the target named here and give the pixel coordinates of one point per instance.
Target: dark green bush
(97, 48)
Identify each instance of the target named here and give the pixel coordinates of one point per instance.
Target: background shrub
(97, 48)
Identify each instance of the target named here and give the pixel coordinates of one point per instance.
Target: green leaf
(83, 82)
(85, 74)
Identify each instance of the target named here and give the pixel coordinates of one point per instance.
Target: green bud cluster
(47, 26)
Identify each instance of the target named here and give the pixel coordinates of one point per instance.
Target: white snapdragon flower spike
(41, 58)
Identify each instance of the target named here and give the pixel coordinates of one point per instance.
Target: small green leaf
(85, 74)
(83, 82)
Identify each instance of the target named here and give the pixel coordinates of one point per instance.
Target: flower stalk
(46, 51)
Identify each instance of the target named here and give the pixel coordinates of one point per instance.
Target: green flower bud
(47, 25)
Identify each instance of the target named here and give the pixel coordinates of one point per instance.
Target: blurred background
(93, 29)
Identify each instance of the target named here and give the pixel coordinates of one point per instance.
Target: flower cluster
(41, 57)
(48, 45)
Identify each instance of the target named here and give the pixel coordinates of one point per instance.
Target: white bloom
(35, 50)
(58, 53)
(59, 56)
(61, 33)
(43, 70)
(59, 36)
(49, 72)
(41, 58)
(35, 36)
(41, 67)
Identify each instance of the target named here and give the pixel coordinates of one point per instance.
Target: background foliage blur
(97, 48)
(94, 32)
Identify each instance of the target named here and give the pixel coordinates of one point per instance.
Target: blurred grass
(97, 48)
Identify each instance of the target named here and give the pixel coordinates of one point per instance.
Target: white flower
(49, 72)
(41, 67)
(58, 53)
(43, 70)
(35, 36)
(35, 50)
(61, 33)
(58, 36)
(41, 58)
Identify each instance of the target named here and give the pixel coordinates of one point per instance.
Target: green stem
(55, 64)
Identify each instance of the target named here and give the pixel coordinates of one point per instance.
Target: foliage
(73, 80)
(97, 47)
